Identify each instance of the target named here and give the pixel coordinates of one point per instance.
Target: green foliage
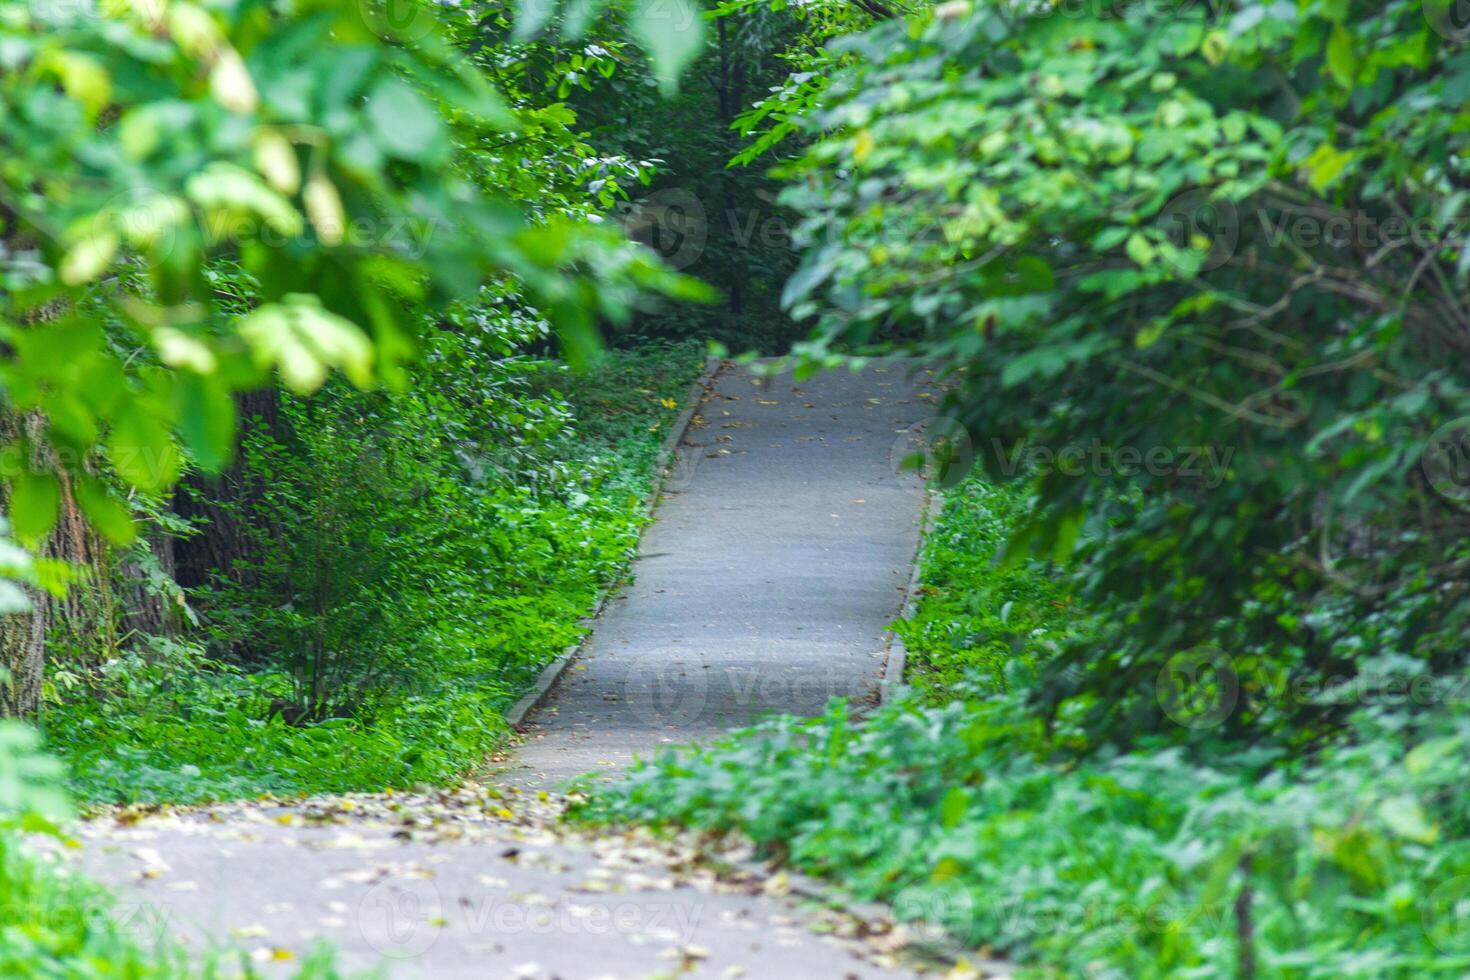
(52, 923)
(704, 210)
(983, 829)
(1135, 865)
(415, 561)
(978, 615)
(308, 144)
(1199, 270)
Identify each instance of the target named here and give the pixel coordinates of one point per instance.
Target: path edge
(898, 654)
(831, 895)
(552, 672)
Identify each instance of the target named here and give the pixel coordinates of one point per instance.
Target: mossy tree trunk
(24, 636)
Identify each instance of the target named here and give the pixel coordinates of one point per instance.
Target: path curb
(898, 654)
(552, 672)
(831, 896)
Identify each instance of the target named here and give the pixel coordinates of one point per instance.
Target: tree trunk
(23, 636)
(219, 504)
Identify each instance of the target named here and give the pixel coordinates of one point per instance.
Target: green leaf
(107, 513)
(531, 17)
(303, 340)
(1406, 818)
(1424, 756)
(405, 124)
(1342, 62)
(142, 450)
(225, 191)
(35, 503)
(1140, 249)
(952, 810)
(206, 420)
(1325, 165)
(1149, 333)
(671, 32)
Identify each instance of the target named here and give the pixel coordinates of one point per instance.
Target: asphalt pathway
(778, 554)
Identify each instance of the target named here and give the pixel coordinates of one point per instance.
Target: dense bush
(1200, 267)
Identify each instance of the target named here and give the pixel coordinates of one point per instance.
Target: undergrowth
(978, 616)
(401, 591)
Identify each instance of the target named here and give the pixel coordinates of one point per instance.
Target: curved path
(779, 552)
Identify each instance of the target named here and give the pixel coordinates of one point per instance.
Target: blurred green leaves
(315, 155)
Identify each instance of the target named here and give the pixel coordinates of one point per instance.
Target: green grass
(977, 617)
(498, 591)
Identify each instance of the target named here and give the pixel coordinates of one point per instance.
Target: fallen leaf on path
(249, 932)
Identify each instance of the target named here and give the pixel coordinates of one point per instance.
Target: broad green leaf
(89, 258)
(1406, 818)
(142, 450)
(405, 124)
(1342, 62)
(206, 420)
(226, 192)
(35, 503)
(304, 341)
(672, 32)
(952, 809)
(106, 512)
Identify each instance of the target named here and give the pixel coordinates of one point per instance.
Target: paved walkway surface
(779, 553)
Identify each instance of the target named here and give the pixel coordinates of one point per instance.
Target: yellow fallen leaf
(779, 883)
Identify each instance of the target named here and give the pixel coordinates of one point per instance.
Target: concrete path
(778, 555)
(780, 552)
(477, 883)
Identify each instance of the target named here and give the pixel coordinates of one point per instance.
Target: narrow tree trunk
(23, 636)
